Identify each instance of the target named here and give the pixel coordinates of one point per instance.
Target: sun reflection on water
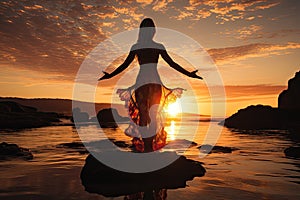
(171, 132)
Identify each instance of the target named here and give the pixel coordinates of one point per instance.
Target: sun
(173, 109)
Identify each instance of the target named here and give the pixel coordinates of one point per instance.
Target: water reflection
(171, 132)
(258, 170)
(160, 194)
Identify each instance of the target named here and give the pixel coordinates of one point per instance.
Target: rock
(98, 178)
(93, 119)
(78, 146)
(290, 99)
(293, 152)
(16, 116)
(108, 117)
(295, 133)
(286, 116)
(180, 143)
(79, 116)
(10, 106)
(8, 151)
(122, 144)
(256, 117)
(72, 145)
(206, 148)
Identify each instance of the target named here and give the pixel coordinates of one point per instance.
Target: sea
(257, 168)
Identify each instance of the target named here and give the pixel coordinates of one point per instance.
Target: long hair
(147, 30)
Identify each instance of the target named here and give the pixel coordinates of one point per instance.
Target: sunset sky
(254, 43)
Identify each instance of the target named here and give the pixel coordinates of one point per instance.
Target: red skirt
(138, 102)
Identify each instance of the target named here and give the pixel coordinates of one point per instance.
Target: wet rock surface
(16, 116)
(11, 151)
(206, 148)
(293, 152)
(98, 178)
(108, 117)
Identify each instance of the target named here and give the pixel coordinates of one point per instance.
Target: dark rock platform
(98, 178)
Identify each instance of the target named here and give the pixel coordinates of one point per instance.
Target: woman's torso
(148, 55)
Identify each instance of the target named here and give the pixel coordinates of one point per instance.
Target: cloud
(145, 2)
(203, 14)
(161, 5)
(155, 5)
(262, 7)
(183, 15)
(239, 91)
(252, 31)
(55, 36)
(223, 10)
(257, 31)
(229, 54)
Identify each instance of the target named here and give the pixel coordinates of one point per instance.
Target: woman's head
(147, 30)
(147, 22)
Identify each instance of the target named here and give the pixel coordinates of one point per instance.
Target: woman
(146, 98)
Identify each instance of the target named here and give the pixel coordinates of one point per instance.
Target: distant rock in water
(293, 152)
(8, 151)
(206, 148)
(16, 116)
(290, 99)
(77, 146)
(180, 143)
(286, 116)
(79, 116)
(109, 116)
(255, 117)
(101, 179)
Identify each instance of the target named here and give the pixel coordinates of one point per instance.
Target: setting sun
(173, 109)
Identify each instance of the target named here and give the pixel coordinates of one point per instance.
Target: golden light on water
(171, 132)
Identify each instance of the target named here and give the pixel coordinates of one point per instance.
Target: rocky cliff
(290, 99)
(286, 116)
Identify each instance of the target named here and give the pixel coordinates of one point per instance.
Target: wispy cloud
(144, 2)
(161, 5)
(254, 31)
(224, 10)
(238, 91)
(56, 36)
(229, 54)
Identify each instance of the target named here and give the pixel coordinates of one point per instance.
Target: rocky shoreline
(16, 116)
(286, 116)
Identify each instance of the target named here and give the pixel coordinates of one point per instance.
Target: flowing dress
(148, 93)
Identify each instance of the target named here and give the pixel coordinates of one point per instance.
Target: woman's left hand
(105, 76)
(194, 75)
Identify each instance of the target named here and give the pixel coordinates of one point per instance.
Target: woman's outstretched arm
(121, 68)
(174, 65)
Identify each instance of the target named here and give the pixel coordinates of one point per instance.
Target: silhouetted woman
(147, 97)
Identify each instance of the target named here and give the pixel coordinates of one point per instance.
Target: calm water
(258, 169)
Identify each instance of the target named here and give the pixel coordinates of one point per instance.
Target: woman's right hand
(194, 75)
(105, 76)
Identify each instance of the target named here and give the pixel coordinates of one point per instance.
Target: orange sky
(255, 44)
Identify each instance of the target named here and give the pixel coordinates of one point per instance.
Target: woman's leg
(142, 99)
(148, 99)
(153, 111)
